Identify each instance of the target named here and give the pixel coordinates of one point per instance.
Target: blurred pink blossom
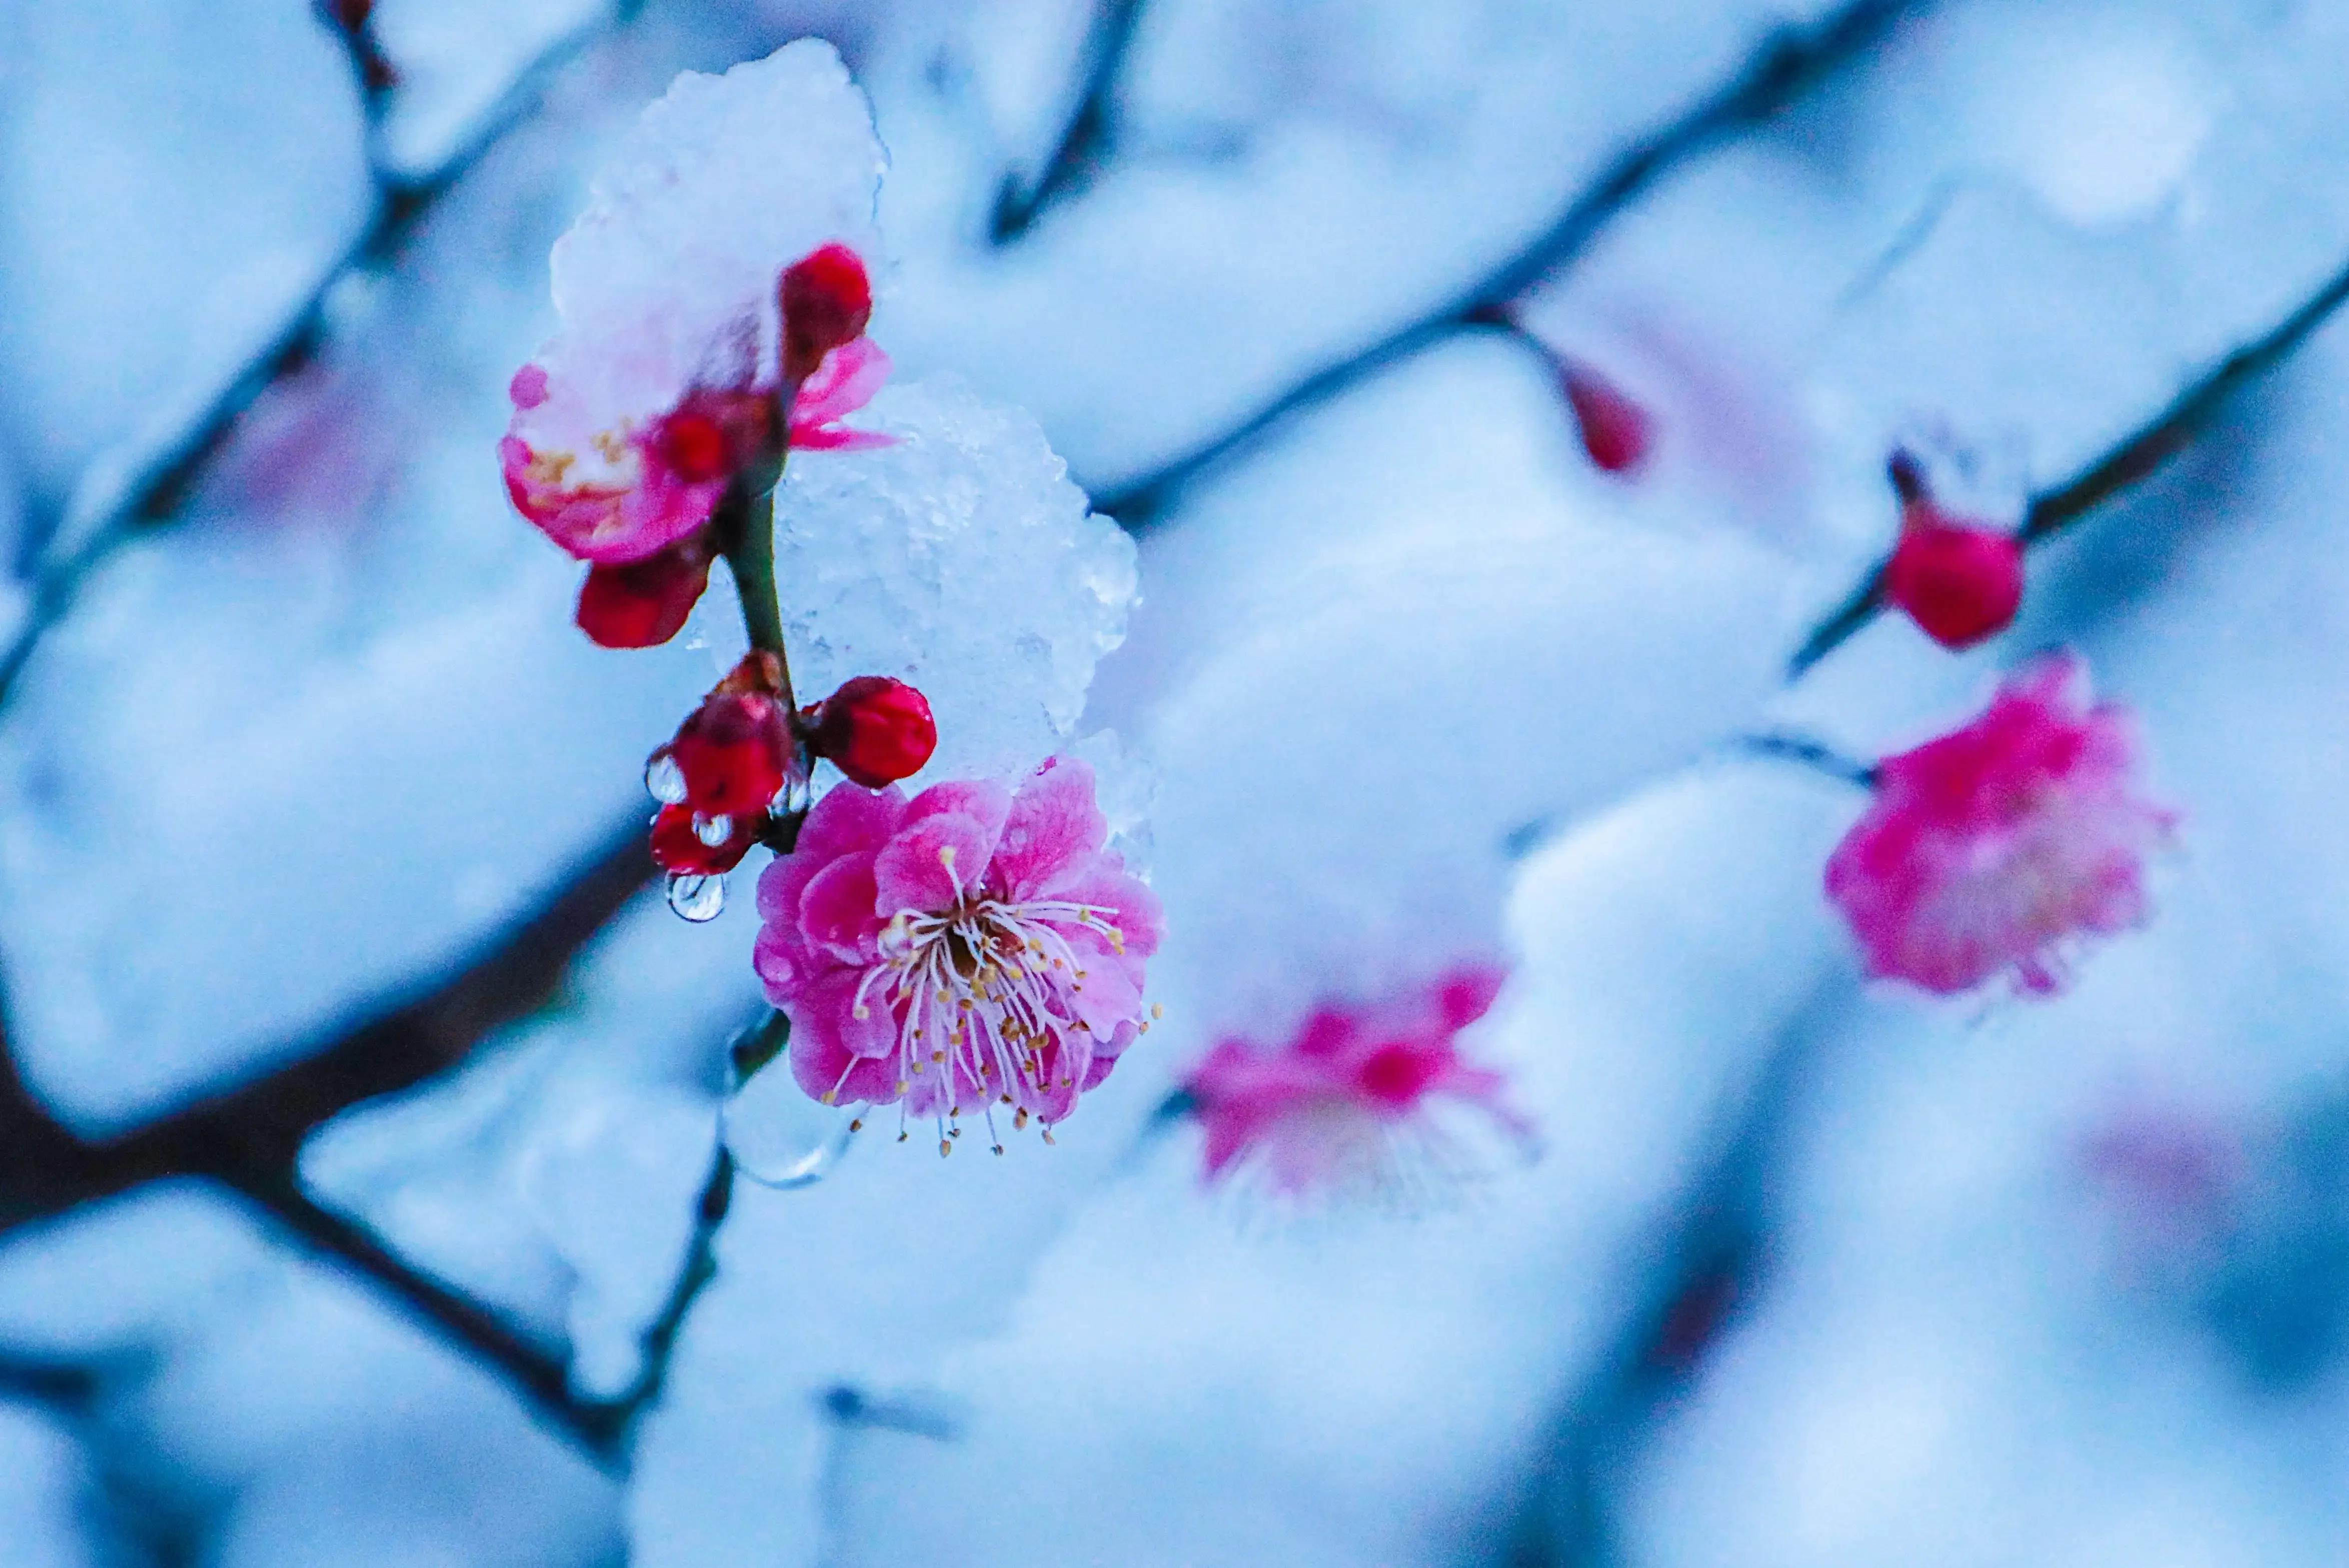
(1991, 847)
(969, 948)
(1337, 1104)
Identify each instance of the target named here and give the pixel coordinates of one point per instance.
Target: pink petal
(850, 819)
(1051, 832)
(838, 438)
(822, 1064)
(836, 910)
(843, 384)
(929, 863)
(984, 801)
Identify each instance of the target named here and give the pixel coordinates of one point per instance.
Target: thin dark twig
(163, 482)
(53, 1382)
(2136, 458)
(534, 1372)
(1084, 140)
(613, 1421)
(1788, 63)
(1805, 752)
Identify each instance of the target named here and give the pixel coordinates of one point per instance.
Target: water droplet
(793, 797)
(713, 830)
(664, 780)
(778, 1135)
(696, 899)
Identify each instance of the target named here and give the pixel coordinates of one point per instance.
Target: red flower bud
(1616, 430)
(1958, 582)
(734, 753)
(681, 838)
(644, 603)
(876, 731)
(826, 301)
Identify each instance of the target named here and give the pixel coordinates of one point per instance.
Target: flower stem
(1804, 751)
(747, 536)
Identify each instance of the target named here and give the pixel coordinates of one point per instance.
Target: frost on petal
(1993, 847)
(959, 558)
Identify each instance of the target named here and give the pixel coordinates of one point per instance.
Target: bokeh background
(329, 953)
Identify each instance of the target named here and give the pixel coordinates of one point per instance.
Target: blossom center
(987, 996)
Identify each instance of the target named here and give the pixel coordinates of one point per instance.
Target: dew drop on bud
(714, 831)
(664, 780)
(696, 899)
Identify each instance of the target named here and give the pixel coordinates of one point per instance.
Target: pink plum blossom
(971, 948)
(1355, 1088)
(1991, 848)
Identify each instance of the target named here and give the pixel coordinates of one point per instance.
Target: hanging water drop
(696, 899)
(714, 831)
(778, 1135)
(664, 780)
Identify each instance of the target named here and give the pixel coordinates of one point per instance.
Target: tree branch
(256, 1130)
(1085, 142)
(1790, 62)
(614, 1421)
(160, 483)
(2136, 458)
(537, 1374)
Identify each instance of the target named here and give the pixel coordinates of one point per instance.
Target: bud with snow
(675, 375)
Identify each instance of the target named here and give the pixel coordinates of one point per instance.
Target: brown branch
(1791, 61)
(2137, 457)
(249, 1138)
(256, 1130)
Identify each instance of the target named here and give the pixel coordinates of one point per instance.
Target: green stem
(747, 536)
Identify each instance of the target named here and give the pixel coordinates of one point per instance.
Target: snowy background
(326, 933)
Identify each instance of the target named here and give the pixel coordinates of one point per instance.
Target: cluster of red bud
(737, 770)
